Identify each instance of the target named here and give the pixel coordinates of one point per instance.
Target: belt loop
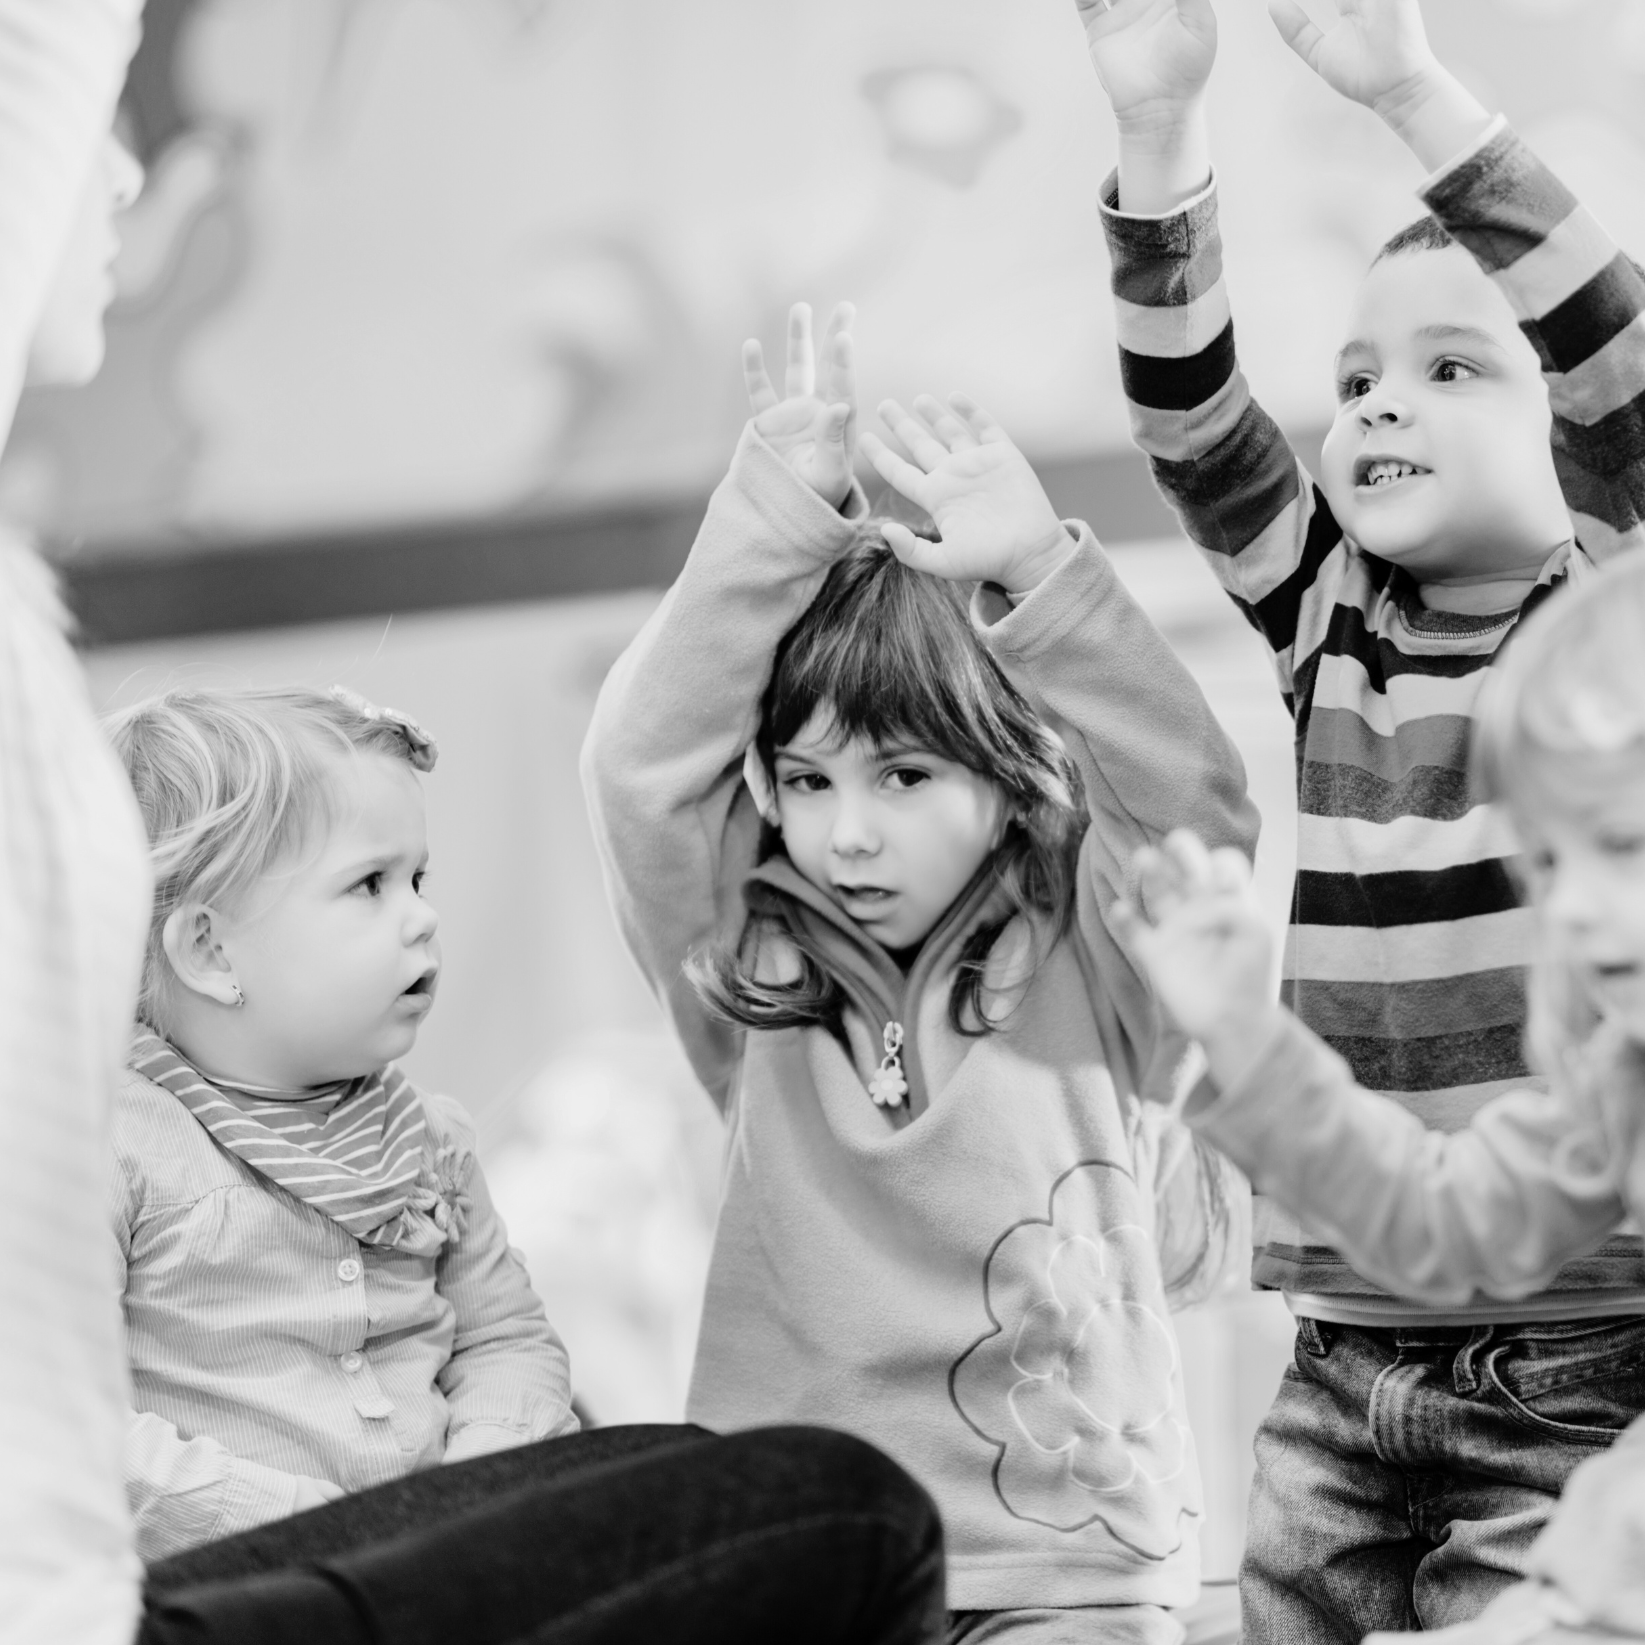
(1465, 1367)
(1314, 1336)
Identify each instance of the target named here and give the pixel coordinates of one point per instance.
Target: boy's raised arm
(1221, 461)
(1580, 301)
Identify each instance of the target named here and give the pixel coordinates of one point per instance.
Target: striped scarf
(355, 1151)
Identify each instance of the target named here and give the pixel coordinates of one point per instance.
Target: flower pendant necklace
(889, 1085)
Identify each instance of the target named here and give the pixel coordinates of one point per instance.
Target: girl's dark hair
(892, 656)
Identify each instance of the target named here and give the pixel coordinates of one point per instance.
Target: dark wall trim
(128, 592)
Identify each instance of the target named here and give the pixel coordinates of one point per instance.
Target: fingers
(897, 472)
(1296, 28)
(984, 430)
(925, 448)
(836, 431)
(915, 552)
(839, 359)
(761, 395)
(942, 422)
(800, 378)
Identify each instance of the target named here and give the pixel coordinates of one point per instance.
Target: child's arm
(1497, 1207)
(183, 1492)
(508, 1381)
(676, 826)
(1579, 299)
(1222, 462)
(1150, 752)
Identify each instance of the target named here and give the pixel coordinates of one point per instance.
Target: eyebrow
(1476, 335)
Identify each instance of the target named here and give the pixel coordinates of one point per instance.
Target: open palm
(1200, 933)
(1150, 55)
(1373, 50)
(996, 522)
(812, 425)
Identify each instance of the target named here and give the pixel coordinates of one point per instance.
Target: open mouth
(1376, 472)
(1617, 970)
(866, 896)
(423, 988)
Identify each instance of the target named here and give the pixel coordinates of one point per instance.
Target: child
(1385, 592)
(1535, 1179)
(320, 1300)
(851, 859)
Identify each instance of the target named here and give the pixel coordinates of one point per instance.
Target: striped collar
(356, 1153)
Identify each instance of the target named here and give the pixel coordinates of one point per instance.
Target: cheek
(1336, 463)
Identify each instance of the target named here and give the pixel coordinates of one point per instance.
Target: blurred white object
(609, 1184)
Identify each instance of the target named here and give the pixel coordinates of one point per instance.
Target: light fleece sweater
(975, 1289)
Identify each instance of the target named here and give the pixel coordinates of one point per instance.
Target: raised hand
(1195, 925)
(1377, 53)
(996, 522)
(812, 426)
(1152, 56)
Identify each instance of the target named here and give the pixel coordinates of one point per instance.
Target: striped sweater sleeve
(1581, 304)
(1221, 461)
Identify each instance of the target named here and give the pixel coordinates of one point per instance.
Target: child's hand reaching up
(1377, 53)
(997, 524)
(1201, 937)
(813, 426)
(1153, 58)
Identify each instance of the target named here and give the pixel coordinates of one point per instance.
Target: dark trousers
(661, 1534)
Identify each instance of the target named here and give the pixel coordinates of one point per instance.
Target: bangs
(889, 655)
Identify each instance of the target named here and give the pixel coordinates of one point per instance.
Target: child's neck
(1483, 593)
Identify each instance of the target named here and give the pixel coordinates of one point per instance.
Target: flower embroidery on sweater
(1078, 1385)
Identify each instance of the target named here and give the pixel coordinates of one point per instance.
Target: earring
(239, 998)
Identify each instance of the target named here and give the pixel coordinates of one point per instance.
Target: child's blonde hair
(231, 782)
(1561, 728)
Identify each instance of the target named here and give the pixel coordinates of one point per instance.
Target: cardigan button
(349, 1270)
(352, 1361)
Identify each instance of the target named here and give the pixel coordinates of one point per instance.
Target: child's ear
(759, 785)
(192, 940)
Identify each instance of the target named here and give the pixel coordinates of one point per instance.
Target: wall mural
(441, 259)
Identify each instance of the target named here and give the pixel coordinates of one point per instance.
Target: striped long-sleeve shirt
(1408, 942)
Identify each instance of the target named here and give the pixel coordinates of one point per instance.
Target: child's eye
(906, 776)
(1355, 386)
(806, 782)
(1452, 371)
(371, 884)
(418, 879)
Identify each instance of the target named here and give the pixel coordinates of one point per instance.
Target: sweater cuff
(1038, 620)
(1486, 139)
(793, 511)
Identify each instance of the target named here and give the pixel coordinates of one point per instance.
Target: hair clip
(421, 749)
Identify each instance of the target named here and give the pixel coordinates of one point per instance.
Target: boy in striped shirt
(1489, 445)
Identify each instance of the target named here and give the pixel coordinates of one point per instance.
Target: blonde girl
(1537, 1178)
(869, 886)
(351, 1419)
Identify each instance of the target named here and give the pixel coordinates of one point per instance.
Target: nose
(1382, 407)
(853, 833)
(422, 922)
(1574, 895)
(125, 174)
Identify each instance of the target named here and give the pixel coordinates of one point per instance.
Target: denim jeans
(1404, 1472)
(670, 1535)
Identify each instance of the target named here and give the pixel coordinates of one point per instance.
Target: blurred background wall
(425, 356)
